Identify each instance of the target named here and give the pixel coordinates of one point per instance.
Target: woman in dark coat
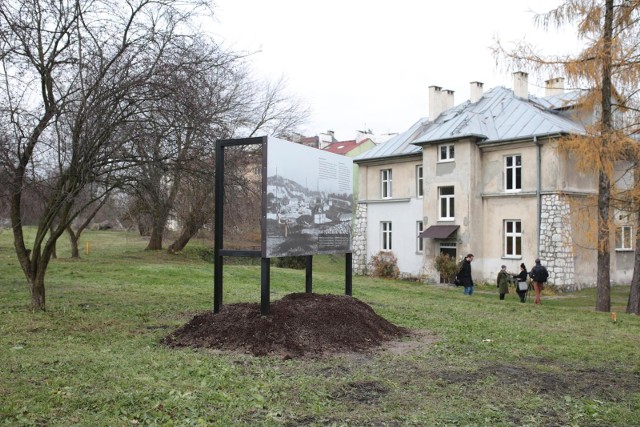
(465, 275)
(521, 282)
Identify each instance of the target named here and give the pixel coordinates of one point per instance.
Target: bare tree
(210, 97)
(73, 77)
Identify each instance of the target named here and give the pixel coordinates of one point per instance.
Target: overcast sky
(367, 64)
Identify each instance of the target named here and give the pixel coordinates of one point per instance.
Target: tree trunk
(54, 252)
(155, 241)
(73, 240)
(633, 305)
(188, 231)
(603, 302)
(36, 289)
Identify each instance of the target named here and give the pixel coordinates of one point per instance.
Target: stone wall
(556, 245)
(359, 242)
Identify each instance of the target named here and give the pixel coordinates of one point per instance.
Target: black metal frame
(265, 263)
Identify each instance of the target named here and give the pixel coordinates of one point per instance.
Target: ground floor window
(448, 248)
(420, 240)
(623, 238)
(385, 227)
(512, 238)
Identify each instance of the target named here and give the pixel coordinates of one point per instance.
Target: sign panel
(309, 200)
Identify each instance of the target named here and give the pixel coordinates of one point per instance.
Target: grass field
(95, 358)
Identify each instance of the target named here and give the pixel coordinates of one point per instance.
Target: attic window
(446, 153)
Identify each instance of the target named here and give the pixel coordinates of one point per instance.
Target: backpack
(541, 274)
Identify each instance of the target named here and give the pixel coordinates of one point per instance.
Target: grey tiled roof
(399, 145)
(498, 116)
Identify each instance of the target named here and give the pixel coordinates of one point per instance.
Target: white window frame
(624, 238)
(449, 154)
(385, 183)
(512, 171)
(419, 240)
(449, 204)
(419, 181)
(386, 236)
(514, 236)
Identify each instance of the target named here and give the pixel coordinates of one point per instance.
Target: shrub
(294, 262)
(385, 264)
(446, 266)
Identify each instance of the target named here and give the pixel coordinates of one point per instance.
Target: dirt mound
(298, 324)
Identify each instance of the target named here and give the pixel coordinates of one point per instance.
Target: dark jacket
(522, 277)
(503, 282)
(465, 273)
(534, 272)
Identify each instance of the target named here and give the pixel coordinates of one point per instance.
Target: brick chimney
(521, 84)
(554, 86)
(475, 92)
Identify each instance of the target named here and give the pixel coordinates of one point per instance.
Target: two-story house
(485, 177)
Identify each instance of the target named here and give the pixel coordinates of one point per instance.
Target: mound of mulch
(298, 324)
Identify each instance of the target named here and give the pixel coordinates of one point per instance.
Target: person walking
(539, 274)
(521, 282)
(503, 281)
(465, 275)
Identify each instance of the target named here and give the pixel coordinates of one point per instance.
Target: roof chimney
(521, 84)
(475, 93)
(447, 99)
(326, 139)
(554, 86)
(435, 102)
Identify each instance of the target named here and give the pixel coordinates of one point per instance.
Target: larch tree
(608, 67)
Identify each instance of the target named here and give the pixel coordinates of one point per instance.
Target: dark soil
(298, 325)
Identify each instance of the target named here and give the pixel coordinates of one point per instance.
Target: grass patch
(95, 358)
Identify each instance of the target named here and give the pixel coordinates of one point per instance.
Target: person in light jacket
(503, 281)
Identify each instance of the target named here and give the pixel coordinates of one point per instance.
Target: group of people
(538, 274)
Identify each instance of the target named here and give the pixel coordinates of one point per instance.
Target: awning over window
(439, 231)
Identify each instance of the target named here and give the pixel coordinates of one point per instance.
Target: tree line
(106, 102)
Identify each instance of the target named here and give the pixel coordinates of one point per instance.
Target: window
(446, 199)
(385, 227)
(420, 241)
(419, 180)
(623, 238)
(513, 173)
(512, 238)
(447, 153)
(385, 179)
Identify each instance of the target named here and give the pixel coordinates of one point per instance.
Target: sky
(367, 64)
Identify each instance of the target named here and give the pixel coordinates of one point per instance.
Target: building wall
(403, 215)
(403, 179)
(403, 210)
(563, 240)
(457, 174)
(361, 148)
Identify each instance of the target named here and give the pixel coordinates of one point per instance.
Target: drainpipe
(538, 187)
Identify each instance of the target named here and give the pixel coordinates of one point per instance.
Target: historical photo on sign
(309, 200)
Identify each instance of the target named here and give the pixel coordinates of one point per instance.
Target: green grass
(95, 358)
